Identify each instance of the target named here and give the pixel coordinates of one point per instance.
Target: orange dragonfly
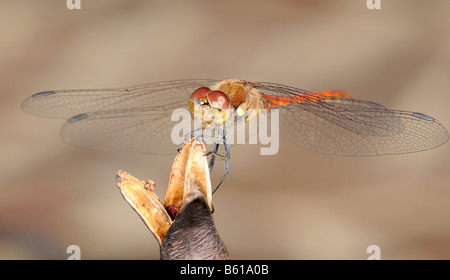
(138, 118)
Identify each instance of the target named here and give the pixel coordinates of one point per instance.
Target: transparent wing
(343, 126)
(132, 119)
(69, 103)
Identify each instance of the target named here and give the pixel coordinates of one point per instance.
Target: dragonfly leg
(227, 161)
(217, 155)
(214, 154)
(213, 157)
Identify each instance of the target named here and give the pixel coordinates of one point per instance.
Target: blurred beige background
(294, 205)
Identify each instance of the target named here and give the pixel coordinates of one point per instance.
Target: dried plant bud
(184, 226)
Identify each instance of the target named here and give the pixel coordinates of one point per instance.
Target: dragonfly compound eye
(218, 100)
(199, 93)
(221, 106)
(200, 108)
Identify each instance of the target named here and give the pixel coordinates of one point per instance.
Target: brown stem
(193, 235)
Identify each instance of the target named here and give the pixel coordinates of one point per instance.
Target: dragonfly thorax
(243, 96)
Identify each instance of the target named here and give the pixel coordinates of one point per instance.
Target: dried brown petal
(197, 180)
(175, 189)
(145, 202)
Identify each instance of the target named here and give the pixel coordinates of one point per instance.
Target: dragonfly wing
(130, 130)
(343, 126)
(319, 134)
(69, 103)
(133, 119)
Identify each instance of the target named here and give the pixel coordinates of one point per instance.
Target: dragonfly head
(210, 106)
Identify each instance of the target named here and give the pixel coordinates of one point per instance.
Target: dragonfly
(138, 118)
